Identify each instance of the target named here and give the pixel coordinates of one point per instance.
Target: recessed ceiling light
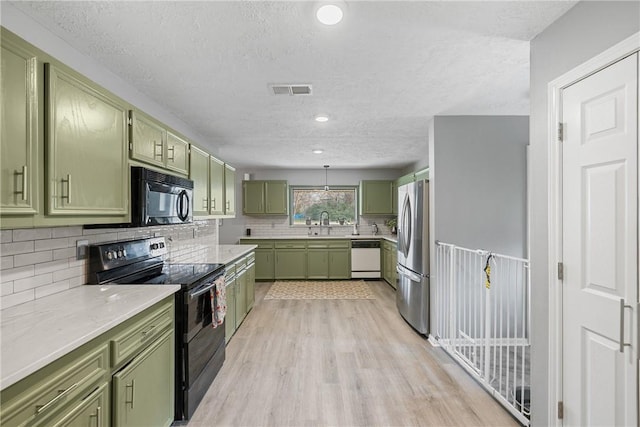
(322, 118)
(329, 14)
(318, 151)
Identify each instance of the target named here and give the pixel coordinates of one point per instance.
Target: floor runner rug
(320, 289)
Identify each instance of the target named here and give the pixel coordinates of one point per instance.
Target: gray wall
(232, 229)
(583, 32)
(480, 182)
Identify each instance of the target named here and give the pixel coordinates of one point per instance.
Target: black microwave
(159, 199)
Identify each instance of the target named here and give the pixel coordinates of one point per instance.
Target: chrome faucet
(375, 228)
(325, 221)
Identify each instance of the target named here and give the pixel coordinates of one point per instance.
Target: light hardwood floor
(340, 363)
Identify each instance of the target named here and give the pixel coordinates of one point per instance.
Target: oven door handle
(201, 290)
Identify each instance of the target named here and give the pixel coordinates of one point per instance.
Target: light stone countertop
(216, 254)
(36, 333)
(393, 239)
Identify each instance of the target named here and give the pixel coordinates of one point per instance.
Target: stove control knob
(154, 246)
(124, 252)
(120, 254)
(109, 255)
(162, 244)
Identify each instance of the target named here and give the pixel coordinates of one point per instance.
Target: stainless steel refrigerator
(412, 295)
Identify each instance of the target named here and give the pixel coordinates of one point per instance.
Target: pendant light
(327, 194)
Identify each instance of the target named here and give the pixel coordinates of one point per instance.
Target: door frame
(615, 53)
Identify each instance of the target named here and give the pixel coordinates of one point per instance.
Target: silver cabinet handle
(172, 149)
(61, 394)
(622, 343)
(205, 204)
(98, 417)
(155, 152)
(68, 196)
(214, 203)
(24, 182)
(132, 386)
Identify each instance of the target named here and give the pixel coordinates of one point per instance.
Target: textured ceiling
(380, 74)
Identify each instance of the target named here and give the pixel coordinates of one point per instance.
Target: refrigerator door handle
(406, 225)
(408, 274)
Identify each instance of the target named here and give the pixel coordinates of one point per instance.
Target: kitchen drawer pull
(172, 149)
(213, 202)
(132, 386)
(98, 417)
(24, 182)
(68, 196)
(145, 334)
(622, 343)
(61, 394)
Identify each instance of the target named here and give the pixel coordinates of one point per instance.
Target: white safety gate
(482, 306)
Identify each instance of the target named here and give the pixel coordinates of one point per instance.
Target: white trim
(554, 93)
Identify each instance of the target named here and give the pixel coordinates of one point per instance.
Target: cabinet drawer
(140, 334)
(291, 244)
(262, 244)
(318, 244)
(240, 265)
(58, 390)
(251, 258)
(339, 244)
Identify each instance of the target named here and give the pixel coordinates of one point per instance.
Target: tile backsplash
(279, 226)
(37, 262)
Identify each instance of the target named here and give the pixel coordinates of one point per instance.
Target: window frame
(354, 187)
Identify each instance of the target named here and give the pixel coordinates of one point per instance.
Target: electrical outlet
(82, 249)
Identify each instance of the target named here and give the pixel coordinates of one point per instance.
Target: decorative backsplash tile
(37, 262)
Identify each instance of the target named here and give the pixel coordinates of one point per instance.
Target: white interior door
(600, 247)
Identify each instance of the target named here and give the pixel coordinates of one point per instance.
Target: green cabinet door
(265, 264)
(291, 263)
(241, 297)
(216, 186)
(251, 284)
(229, 190)
(394, 198)
(199, 174)
(143, 390)
(86, 148)
(93, 410)
(386, 262)
(275, 196)
(252, 197)
(177, 154)
(376, 197)
(148, 139)
(394, 264)
(340, 264)
(230, 318)
(19, 129)
(317, 263)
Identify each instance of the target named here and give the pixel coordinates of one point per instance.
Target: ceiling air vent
(291, 90)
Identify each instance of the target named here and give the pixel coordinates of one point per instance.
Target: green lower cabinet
(241, 297)
(143, 390)
(230, 318)
(318, 264)
(291, 264)
(251, 284)
(340, 264)
(94, 410)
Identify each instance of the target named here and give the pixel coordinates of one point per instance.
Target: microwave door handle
(182, 207)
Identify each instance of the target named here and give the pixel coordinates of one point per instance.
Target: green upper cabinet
(376, 197)
(229, 190)
(86, 148)
(265, 198)
(148, 139)
(252, 197)
(216, 186)
(199, 174)
(394, 198)
(18, 146)
(177, 154)
(152, 143)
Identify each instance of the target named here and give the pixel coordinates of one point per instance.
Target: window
(308, 203)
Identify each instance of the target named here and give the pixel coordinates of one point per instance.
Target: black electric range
(199, 348)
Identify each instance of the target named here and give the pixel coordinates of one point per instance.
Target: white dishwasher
(365, 259)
